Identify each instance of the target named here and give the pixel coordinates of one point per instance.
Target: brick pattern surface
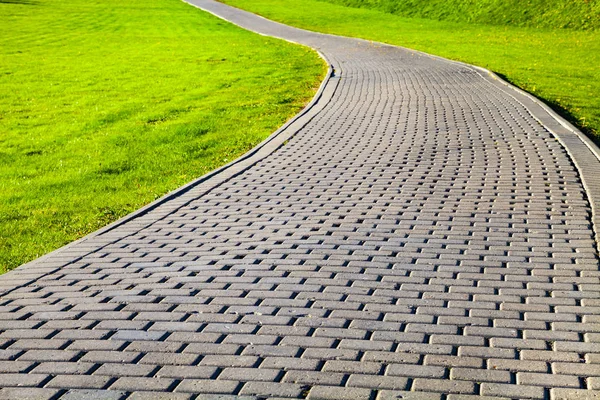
(422, 237)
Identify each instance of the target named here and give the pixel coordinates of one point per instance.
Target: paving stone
(167, 359)
(401, 394)
(76, 394)
(116, 370)
(273, 389)
(453, 361)
(547, 380)
(314, 377)
(576, 369)
(79, 382)
(443, 386)
(64, 368)
(377, 382)
(283, 363)
(230, 361)
(130, 335)
(338, 393)
(473, 397)
(185, 371)
(159, 396)
(16, 379)
(250, 374)
(512, 391)
(480, 375)
(15, 366)
(28, 393)
(111, 356)
(355, 367)
(573, 394)
(208, 386)
(132, 384)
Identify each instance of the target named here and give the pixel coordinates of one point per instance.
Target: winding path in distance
(418, 233)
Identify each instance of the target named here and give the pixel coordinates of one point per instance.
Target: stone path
(421, 235)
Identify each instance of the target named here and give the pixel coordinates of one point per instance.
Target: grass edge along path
(108, 105)
(559, 66)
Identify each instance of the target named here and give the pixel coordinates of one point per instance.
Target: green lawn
(107, 105)
(561, 66)
(576, 14)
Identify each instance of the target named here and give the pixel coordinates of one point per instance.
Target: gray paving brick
(338, 393)
(186, 371)
(354, 367)
(213, 348)
(573, 394)
(473, 397)
(130, 335)
(15, 366)
(377, 382)
(480, 375)
(250, 374)
(539, 355)
(517, 365)
(28, 393)
(283, 390)
(512, 391)
(401, 394)
(415, 371)
(39, 344)
(161, 358)
(230, 361)
(63, 368)
(443, 386)
(285, 363)
(97, 345)
(314, 378)
(267, 350)
(132, 384)
(576, 369)
(547, 380)
(159, 396)
(111, 356)
(208, 386)
(76, 394)
(50, 355)
(154, 347)
(79, 382)
(117, 369)
(16, 379)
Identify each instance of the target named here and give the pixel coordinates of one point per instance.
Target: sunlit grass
(107, 105)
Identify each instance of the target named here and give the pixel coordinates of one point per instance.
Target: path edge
(584, 153)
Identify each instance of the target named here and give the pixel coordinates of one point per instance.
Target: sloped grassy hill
(574, 14)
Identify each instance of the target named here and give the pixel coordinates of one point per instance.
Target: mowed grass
(107, 105)
(560, 66)
(575, 14)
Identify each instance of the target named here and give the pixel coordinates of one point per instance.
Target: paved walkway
(420, 236)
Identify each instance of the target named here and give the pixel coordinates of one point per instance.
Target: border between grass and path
(26, 273)
(584, 153)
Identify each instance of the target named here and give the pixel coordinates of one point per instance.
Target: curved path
(417, 234)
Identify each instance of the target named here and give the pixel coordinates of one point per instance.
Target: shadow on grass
(560, 110)
(23, 2)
